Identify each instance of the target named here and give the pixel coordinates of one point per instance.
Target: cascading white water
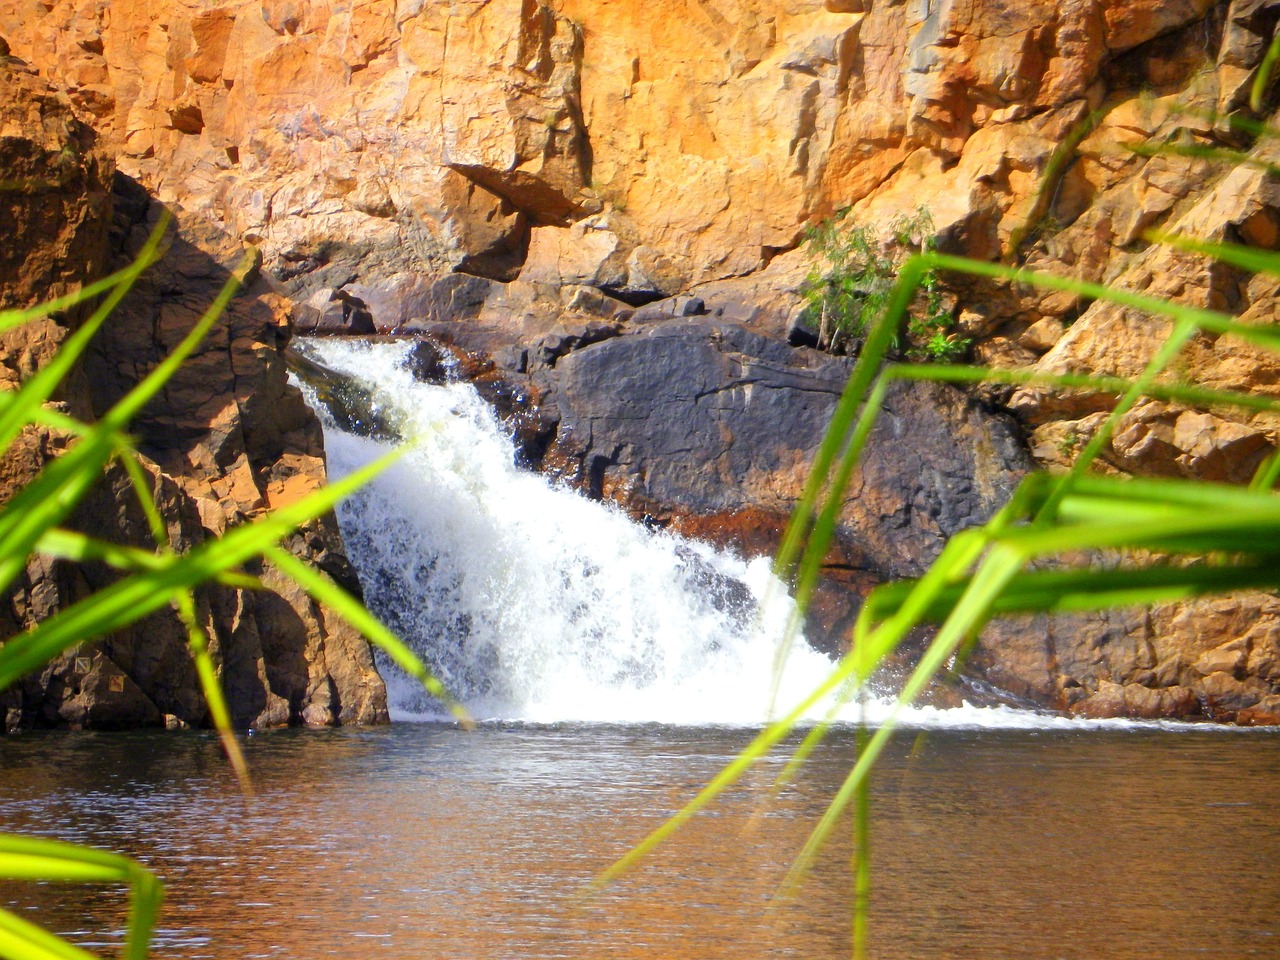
(531, 602)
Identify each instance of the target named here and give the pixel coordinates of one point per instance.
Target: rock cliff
(576, 191)
(228, 439)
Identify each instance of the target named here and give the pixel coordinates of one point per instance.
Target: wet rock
(410, 302)
(343, 398)
(564, 340)
(431, 362)
(1138, 702)
(1225, 695)
(729, 596)
(646, 152)
(1266, 713)
(700, 419)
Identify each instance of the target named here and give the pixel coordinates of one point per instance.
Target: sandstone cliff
(522, 177)
(228, 439)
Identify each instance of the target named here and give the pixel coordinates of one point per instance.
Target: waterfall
(531, 602)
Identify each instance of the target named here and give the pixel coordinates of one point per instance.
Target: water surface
(422, 841)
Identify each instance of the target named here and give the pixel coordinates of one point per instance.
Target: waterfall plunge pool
(423, 842)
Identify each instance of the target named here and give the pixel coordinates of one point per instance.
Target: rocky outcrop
(227, 439)
(708, 419)
(539, 181)
(1206, 658)
(366, 141)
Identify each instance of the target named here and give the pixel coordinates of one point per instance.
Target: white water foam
(533, 603)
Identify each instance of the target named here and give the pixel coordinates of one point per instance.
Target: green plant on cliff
(31, 524)
(848, 286)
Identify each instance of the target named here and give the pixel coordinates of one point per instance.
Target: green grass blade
(1073, 591)
(39, 847)
(864, 371)
(42, 384)
(1046, 188)
(207, 673)
(1204, 151)
(17, 866)
(145, 492)
(759, 747)
(1036, 488)
(824, 526)
(130, 405)
(861, 857)
(23, 940)
(960, 551)
(1184, 329)
(870, 648)
(1205, 319)
(70, 545)
(28, 858)
(814, 736)
(1253, 259)
(970, 613)
(145, 898)
(74, 546)
(1236, 120)
(1268, 472)
(823, 530)
(151, 252)
(1188, 531)
(48, 500)
(56, 421)
(803, 545)
(1185, 393)
(1258, 91)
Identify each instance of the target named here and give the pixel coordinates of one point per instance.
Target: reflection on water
(421, 841)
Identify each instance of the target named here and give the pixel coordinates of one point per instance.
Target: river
(421, 841)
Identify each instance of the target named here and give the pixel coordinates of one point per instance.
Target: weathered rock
(430, 137)
(55, 185)
(408, 301)
(333, 311)
(1171, 661)
(711, 427)
(227, 438)
(1138, 702)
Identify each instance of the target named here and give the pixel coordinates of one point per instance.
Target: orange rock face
(580, 157)
(431, 136)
